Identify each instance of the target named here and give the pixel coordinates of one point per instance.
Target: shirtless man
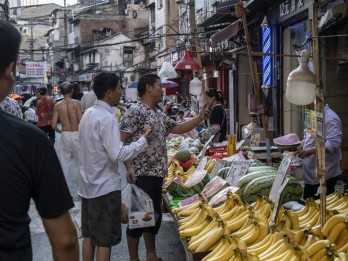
(69, 113)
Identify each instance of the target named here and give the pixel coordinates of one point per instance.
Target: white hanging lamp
(195, 86)
(301, 85)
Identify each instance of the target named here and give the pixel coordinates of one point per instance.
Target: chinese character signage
(288, 8)
(35, 69)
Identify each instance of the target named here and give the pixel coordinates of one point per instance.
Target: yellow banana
(193, 205)
(295, 223)
(333, 221)
(299, 235)
(262, 245)
(252, 236)
(193, 244)
(283, 256)
(212, 225)
(273, 247)
(310, 240)
(222, 245)
(312, 220)
(188, 232)
(342, 239)
(236, 224)
(281, 248)
(194, 221)
(335, 232)
(344, 248)
(224, 255)
(262, 233)
(191, 218)
(336, 203)
(319, 255)
(315, 247)
(211, 240)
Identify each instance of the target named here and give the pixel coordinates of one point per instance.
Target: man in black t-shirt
(29, 170)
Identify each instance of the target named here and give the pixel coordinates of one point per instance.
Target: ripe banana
(333, 221)
(317, 246)
(193, 205)
(252, 236)
(343, 256)
(319, 255)
(221, 247)
(335, 232)
(295, 223)
(194, 230)
(342, 239)
(211, 240)
(262, 233)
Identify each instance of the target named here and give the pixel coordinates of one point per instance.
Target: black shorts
(153, 187)
(101, 219)
(311, 190)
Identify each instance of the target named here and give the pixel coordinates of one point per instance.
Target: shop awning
(225, 34)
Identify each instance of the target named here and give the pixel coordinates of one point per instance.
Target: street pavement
(169, 246)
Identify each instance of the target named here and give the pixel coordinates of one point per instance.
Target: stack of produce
(236, 231)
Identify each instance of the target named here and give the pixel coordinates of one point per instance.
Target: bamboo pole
(241, 12)
(319, 107)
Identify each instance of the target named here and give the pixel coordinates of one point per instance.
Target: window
(127, 57)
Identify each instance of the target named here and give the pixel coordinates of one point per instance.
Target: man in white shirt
(99, 181)
(88, 99)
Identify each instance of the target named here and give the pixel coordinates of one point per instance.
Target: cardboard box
(141, 219)
(145, 218)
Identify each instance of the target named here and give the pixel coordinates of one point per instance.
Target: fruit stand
(226, 208)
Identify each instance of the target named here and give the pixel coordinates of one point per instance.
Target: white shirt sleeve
(114, 146)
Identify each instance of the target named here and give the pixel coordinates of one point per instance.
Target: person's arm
(62, 235)
(55, 120)
(130, 172)
(188, 125)
(333, 134)
(79, 111)
(114, 146)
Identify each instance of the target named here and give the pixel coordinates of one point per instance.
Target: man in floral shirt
(44, 112)
(11, 106)
(149, 168)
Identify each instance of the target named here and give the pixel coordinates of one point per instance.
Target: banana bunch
(212, 236)
(231, 201)
(194, 224)
(319, 250)
(252, 232)
(309, 216)
(331, 198)
(210, 164)
(335, 231)
(174, 170)
(279, 250)
(340, 205)
(188, 210)
(268, 241)
(184, 175)
(291, 220)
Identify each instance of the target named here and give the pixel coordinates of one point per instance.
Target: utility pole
(31, 41)
(65, 26)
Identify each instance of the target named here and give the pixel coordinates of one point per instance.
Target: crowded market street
(169, 247)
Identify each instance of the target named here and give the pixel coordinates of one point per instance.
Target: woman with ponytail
(218, 120)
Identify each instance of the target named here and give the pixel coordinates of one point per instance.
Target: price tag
(238, 169)
(202, 164)
(278, 181)
(218, 165)
(276, 205)
(320, 126)
(205, 147)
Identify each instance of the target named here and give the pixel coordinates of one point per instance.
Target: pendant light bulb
(301, 85)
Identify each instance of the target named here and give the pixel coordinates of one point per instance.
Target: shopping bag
(140, 207)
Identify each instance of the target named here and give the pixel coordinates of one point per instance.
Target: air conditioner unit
(178, 2)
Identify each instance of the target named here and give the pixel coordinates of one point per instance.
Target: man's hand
(204, 113)
(148, 135)
(131, 178)
(305, 153)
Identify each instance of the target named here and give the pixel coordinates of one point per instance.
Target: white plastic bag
(137, 207)
(167, 71)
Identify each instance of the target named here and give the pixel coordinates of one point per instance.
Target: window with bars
(127, 57)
